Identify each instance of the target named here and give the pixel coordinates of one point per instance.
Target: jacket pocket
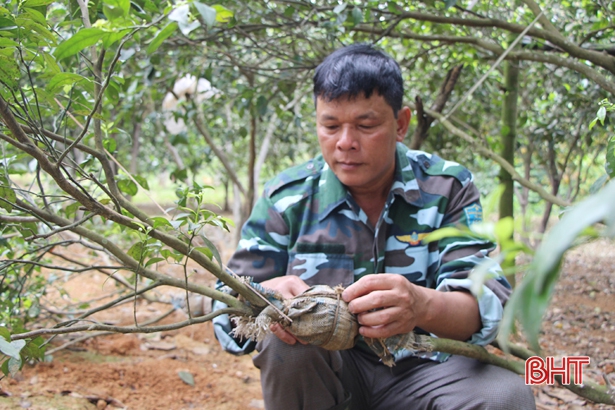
(322, 268)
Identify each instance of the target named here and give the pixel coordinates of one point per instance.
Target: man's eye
(331, 127)
(366, 126)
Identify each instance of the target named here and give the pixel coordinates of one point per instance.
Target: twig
(17, 219)
(90, 336)
(497, 63)
(99, 97)
(116, 162)
(257, 293)
(64, 228)
(124, 329)
(497, 158)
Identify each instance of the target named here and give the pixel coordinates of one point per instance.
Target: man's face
(357, 137)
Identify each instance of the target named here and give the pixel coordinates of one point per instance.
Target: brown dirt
(143, 371)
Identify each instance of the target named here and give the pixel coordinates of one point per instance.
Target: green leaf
(137, 251)
(601, 115)
(151, 261)
(36, 16)
(32, 28)
(482, 273)
(72, 209)
(186, 377)
(13, 348)
(593, 123)
(110, 144)
(530, 299)
(161, 36)
(114, 36)
(81, 40)
(5, 367)
(223, 15)
(213, 249)
(208, 13)
(159, 221)
(60, 80)
(35, 349)
(504, 229)
(610, 158)
(9, 71)
(4, 332)
(142, 181)
(357, 16)
(444, 233)
(36, 3)
(339, 8)
(7, 194)
(128, 187)
(115, 9)
(449, 3)
(7, 42)
(261, 105)
(50, 63)
(289, 11)
(15, 365)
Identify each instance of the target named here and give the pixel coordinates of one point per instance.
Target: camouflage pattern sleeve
(458, 256)
(262, 252)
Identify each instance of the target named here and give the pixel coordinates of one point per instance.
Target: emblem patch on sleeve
(474, 213)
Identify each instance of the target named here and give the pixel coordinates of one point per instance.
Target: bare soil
(153, 371)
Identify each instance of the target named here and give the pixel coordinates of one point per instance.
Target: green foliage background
(86, 83)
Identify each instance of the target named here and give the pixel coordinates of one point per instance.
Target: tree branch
(601, 59)
(199, 122)
(544, 21)
(497, 158)
(125, 329)
(424, 121)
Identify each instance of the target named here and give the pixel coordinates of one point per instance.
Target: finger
(368, 284)
(282, 334)
(385, 331)
(375, 300)
(382, 317)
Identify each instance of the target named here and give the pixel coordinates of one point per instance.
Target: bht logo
(537, 371)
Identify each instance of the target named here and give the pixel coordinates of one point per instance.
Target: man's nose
(347, 139)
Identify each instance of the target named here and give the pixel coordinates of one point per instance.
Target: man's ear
(403, 121)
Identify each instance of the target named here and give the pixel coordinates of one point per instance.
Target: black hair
(359, 69)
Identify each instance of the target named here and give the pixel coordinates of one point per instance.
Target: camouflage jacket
(307, 224)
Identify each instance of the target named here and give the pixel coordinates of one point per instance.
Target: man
(355, 216)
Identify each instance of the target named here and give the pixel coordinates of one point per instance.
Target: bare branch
(544, 21)
(497, 158)
(424, 121)
(199, 122)
(497, 62)
(17, 219)
(125, 329)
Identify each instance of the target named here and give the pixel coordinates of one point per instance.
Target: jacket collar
(332, 194)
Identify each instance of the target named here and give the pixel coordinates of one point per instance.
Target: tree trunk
(509, 134)
(249, 199)
(423, 120)
(555, 178)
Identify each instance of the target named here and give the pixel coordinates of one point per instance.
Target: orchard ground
(186, 368)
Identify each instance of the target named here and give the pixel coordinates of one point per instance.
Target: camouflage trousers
(307, 377)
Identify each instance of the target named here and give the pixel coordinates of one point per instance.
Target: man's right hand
(288, 286)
